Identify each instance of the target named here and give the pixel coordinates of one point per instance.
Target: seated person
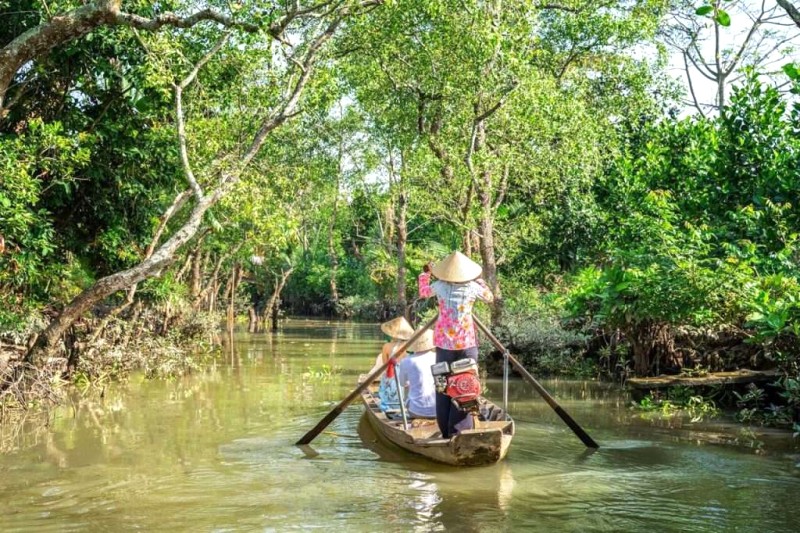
(399, 330)
(415, 375)
(387, 392)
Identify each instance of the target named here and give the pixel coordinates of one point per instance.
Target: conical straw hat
(424, 343)
(457, 268)
(398, 328)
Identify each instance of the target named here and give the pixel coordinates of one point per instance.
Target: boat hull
(486, 444)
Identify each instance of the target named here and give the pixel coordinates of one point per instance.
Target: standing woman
(457, 287)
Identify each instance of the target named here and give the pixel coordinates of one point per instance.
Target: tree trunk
(207, 294)
(252, 326)
(150, 267)
(197, 272)
(334, 260)
(234, 282)
(486, 226)
(402, 239)
(275, 315)
(212, 297)
(484, 188)
(400, 225)
(273, 304)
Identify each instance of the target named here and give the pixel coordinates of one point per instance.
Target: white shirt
(414, 372)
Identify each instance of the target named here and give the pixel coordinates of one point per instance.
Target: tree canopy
(319, 153)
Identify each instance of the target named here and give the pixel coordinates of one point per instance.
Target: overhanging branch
(79, 22)
(792, 11)
(174, 20)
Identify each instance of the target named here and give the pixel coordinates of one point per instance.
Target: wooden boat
(486, 444)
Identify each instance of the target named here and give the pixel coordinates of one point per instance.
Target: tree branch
(489, 112)
(279, 117)
(738, 56)
(75, 24)
(171, 19)
(556, 7)
(503, 187)
(691, 85)
(179, 87)
(177, 203)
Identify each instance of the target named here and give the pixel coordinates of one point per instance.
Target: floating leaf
(723, 18)
(704, 10)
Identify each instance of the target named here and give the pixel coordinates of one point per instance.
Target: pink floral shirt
(455, 329)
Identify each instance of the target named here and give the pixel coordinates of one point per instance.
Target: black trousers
(450, 418)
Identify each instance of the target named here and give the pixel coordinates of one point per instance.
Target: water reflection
(214, 451)
(447, 497)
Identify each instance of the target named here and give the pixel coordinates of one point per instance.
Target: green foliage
(533, 327)
(703, 225)
(775, 309)
(17, 324)
(165, 290)
(602, 205)
(713, 11)
(44, 157)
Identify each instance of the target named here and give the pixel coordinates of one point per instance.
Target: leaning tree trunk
(793, 12)
(48, 341)
(154, 265)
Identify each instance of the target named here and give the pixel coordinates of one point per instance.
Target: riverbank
(137, 346)
(101, 350)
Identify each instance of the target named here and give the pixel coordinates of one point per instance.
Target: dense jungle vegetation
(163, 163)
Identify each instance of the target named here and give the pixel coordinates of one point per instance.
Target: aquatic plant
(679, 401)
(754, 407)
(323, 373)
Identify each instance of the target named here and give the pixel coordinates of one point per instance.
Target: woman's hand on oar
(336, 411)
(578, 430)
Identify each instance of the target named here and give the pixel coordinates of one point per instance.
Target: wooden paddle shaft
(578, 430)
(336, 411)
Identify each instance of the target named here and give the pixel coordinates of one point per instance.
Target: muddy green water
(213, 452)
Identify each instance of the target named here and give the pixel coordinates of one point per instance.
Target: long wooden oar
(587, 440)
(330, 417)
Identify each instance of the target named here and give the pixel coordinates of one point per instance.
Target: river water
(213, 452)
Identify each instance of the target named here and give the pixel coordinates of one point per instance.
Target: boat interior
(426, 430)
